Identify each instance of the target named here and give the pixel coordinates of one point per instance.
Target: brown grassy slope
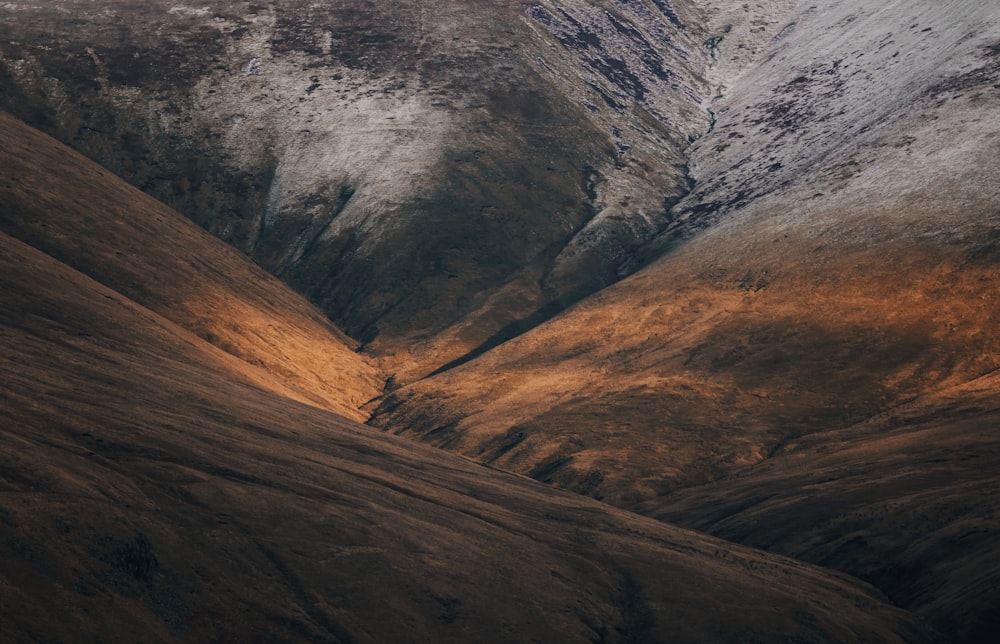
(907, 501)
(675, 377)
(150, 490)
(650, 390)
(67, 206)
(847, 265)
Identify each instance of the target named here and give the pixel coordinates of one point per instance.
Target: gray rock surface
(418, 172)
(853, 105)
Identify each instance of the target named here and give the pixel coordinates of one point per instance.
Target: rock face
(441, 174)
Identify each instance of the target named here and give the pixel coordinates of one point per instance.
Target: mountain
(809, 365)
(139, 247)
(731, 266)
(157, 488)
(422, 173)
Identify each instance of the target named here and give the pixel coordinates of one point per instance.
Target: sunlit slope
(67, 206)
(846, 265)
(651, 386)
(426, 173)
(151, 490)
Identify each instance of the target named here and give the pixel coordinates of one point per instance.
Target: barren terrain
(720, 266)
(154, 487)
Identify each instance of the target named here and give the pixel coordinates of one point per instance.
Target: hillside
(77, 212)
(731, 266)
(758, 379)
(154, 487)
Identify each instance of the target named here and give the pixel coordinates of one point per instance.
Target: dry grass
(154, 487)
(80, 214)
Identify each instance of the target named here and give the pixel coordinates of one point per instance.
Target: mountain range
(589, 320)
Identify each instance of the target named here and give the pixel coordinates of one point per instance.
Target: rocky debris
(252, 68)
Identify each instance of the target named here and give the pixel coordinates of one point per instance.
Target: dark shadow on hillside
(508, 332)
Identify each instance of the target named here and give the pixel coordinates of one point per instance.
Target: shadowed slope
(79, 213)
(907, 500)
(426, 173)
(149, 490)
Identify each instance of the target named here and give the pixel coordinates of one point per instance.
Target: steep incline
(156, 488)
(72, 209)
(435, 177)
(806, 360)
(846, 265)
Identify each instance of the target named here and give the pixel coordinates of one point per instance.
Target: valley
(721, 277)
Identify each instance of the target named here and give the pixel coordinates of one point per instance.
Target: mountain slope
(427, 175)
(835, 261)
(906, 501)
(154, 487)
(804, 360)
(79, 213)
